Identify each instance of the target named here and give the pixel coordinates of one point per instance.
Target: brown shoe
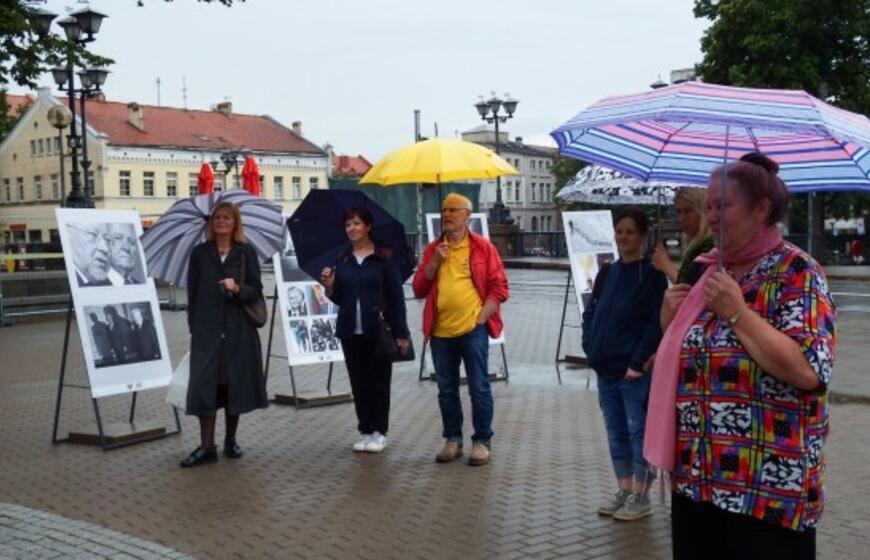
(479, 455)
(449, 452)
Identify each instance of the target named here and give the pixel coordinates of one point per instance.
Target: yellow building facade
(139, 161)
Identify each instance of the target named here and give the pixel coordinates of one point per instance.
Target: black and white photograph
(105, 254)
(318, 303)
(122, 333)
(297, 300)
(323, 335)
(476, 223)
(290, 271)
(300, 337)
(116, 308)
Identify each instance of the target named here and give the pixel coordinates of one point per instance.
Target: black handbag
(255, 309)
(386, 345)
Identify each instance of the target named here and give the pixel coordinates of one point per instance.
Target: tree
(793, 44)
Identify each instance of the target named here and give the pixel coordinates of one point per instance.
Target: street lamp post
(489, 112)
(60, 118)
(79, 29)
(230, 159)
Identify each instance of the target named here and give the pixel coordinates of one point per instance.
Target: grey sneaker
(613, 504)
(635, 507)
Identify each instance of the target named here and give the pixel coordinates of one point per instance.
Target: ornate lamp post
(489, 112)
(79, 28)
(60, 118)
(230, 159)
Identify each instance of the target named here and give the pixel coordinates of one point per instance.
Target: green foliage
(820, 47)
(564, 169)
(8, 118)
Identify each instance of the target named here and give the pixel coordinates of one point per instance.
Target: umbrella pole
(721, 253)
(419, 223)
(659, 219)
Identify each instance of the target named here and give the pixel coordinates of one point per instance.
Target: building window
(541, 192)
(55, 186)
(517, 191)
(549, 163)
(49, 146)
(33, 148)
(40, 144)
(57, 145)
(532, 166)
(7, 190)
(262, 181)
(279, 188)
(549, 192)
(37, 186)
(171, 184)
(124, 183)
(192, 184)
(534, 223)
(509, 194)
(312, 183)
(297, 188)
(19, 181)
(89, 183)
(219, 182)
(34, 236)
(534, 198)
(148, 183)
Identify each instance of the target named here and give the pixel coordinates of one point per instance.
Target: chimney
(297, 128)
(519, 140)
(224, 108)
(136, 116)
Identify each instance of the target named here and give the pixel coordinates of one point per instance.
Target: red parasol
(251, 177)
(205, 180)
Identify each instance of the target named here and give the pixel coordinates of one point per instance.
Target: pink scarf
(660, 438)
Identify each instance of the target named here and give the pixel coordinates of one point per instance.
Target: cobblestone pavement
(29, 533)
(300, 492)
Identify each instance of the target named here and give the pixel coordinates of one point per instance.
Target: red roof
(201, 130)
(16, 102)
(350, 166)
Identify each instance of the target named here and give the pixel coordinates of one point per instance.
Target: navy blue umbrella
(317, 229)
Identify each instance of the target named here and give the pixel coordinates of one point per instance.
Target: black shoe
(232, 450)
(200, 456)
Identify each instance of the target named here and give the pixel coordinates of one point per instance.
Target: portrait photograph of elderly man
(106, 254)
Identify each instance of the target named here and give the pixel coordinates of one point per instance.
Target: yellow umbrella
(438, 160)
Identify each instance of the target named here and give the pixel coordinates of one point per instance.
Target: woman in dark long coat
(226, 369)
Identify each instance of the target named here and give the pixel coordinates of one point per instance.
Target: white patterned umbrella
(596, 184)
(170, 241)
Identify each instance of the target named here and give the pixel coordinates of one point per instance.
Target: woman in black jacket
(226, 369)
(364, 280)
(621, 330)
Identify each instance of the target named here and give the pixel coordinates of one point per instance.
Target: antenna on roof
(436, 130)
(184, 90)
(158, 91)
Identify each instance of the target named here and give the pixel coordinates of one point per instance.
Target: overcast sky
(354, 71)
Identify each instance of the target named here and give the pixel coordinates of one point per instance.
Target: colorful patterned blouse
(746, 441)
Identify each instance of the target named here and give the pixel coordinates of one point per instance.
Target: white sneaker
(362, 442)
(377, 443)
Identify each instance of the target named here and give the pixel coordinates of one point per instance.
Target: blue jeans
(624, 403)
(473, 350)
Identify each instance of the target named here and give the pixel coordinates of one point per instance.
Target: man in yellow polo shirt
(464, 283)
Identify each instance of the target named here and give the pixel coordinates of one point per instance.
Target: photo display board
(116, 305)
(476, 223)
(590, 239)
(307, 315)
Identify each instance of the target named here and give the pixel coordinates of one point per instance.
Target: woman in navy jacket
(365, 280)
(621, 331)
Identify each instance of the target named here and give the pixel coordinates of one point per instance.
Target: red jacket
(487, 274)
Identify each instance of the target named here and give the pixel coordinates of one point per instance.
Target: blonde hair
(462, 201)
(238, 235)
(697, 199)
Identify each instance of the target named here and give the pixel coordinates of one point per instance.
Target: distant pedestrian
(621, 331)
(365, 280)
(739, 404)
(102, 339)
(120, 335)
(226, 368)
(145, 337)
(464, 283)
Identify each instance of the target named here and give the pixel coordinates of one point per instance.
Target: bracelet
(732, 320)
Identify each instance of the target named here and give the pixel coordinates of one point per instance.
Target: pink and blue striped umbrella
(681, 132)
